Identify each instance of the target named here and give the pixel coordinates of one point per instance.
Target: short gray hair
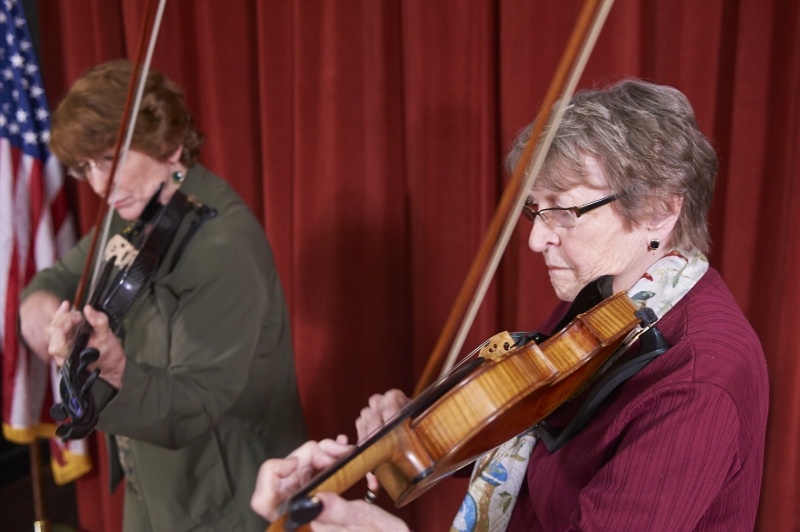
(647, 142)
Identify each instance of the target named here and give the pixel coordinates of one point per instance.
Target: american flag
(35, 229)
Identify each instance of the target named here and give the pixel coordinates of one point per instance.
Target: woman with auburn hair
(197, 385)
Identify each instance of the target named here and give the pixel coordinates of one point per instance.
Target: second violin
(488, 399)
(132, 258)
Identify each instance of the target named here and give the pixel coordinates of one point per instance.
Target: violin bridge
(496, 346)
(121, 251)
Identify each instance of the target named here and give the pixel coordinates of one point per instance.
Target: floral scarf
(498, 474)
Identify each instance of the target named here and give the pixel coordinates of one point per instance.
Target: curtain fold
(368, 137)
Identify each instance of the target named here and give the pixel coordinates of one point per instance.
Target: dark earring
(177, 176)
(654, 243)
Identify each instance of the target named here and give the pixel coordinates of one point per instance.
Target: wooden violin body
(514, 391)
(494, 399)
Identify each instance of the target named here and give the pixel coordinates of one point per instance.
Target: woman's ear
(664, 222)
(176, 155)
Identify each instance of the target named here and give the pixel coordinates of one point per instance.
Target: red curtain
(368, 137)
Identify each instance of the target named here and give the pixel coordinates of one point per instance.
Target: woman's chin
(565, 289)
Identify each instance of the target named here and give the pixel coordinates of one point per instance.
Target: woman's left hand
(381, 409)
(112, 356)
(61, 332)
(279, 478)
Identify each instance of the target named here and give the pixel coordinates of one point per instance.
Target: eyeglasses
(82, 169)
(563, 216)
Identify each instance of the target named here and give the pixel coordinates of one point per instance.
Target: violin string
(446, 375)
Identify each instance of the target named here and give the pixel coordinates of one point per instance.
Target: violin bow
(38, 499)
(579, 47)
(147, 40)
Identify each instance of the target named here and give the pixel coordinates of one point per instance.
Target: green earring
(177, 176)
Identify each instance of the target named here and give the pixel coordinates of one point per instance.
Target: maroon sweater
(679, 446)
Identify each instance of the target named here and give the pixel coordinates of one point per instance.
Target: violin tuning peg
(64, 432)
(89, 355)
(58, 412)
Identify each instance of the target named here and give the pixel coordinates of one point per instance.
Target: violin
(516, 381)
(132, 259)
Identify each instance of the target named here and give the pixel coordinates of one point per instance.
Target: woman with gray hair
(677, 445)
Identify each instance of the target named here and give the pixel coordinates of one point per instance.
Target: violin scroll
(79, 407)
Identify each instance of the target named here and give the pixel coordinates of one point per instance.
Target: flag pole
(41, 524)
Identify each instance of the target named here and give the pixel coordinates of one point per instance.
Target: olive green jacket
(209, 390)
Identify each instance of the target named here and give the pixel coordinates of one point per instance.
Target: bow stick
(584, 35)
(144, 54)
(42, 523)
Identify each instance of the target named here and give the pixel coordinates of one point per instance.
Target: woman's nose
(541, 235)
